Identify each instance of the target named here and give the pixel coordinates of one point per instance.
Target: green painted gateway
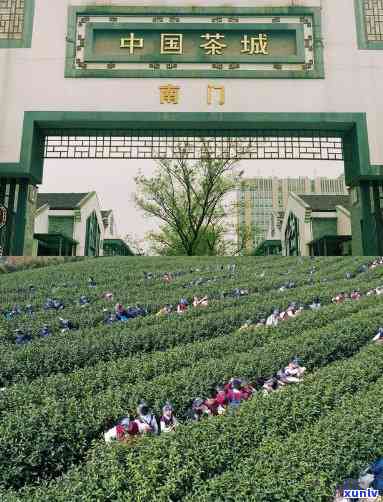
(294, 91)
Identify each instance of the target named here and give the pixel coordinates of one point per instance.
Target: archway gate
(124, 135)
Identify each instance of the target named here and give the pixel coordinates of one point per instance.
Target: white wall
(343, 221)
(295, 206)
(79, 232)
(33, 79)
(41, 221)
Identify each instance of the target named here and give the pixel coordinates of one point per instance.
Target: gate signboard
(3, 216)
(194, 42)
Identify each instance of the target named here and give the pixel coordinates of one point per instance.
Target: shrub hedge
(56, 434)
(85, 348)
(198, 454)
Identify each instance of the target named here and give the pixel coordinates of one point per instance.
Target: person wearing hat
(146, 421)
(120, 312)
(247, 390)
(291, 373)
(91, 282)
(295, 367)
(182, 306)
(378, 338)
(292, 310)
(29, 309)
(270, 385)
(315, 305)
(119, 431)
(198, 410)
(235, 394)
(22, 337)
(273, 318)
(213, 405)
(44, 332)
(84, 301)
(168, 421)
(221, 399)
(67, 325)
(355, 294)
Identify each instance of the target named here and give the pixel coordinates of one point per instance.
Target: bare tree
(188, 196)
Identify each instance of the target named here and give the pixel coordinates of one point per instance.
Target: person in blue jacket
(22, 337)
(376, 469)
(45, 331)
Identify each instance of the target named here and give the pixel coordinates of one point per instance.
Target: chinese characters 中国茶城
(214, 45)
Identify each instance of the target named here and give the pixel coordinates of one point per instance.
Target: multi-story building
(113, 244)
(68, 224)
(262, 201)
(317, 225)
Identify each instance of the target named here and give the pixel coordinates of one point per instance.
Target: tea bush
(62, 392)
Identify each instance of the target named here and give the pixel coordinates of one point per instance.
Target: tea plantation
(60, 393)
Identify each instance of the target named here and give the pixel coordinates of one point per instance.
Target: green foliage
(63, 392)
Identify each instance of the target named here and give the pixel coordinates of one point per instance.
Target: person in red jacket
(121, 431)
(212, 405)
(221, 399)
(198, 410)
(355, 294)
(182, 306)
(247, 390)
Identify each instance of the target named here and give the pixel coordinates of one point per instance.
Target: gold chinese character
(256, 45)
(169, 94)
(171, 43)
(132, 43)
(213, 45)
(210, 89)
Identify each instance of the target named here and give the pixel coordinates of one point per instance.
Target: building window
(93, 236)
(292, 236)
(9, 201)
(16, 21)
(369, 21)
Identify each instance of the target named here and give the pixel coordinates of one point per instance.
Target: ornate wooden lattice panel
(373, 15)
(11, 19)
(314, 145)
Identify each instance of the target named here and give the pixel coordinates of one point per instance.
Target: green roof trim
(62, 201)
(53, 237)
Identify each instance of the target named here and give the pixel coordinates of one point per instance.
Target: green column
(21, 220)
(368, 229)
(378, 218)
